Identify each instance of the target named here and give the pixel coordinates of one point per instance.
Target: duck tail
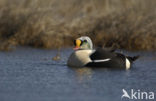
(133, 58)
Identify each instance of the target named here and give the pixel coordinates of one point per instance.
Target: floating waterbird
(85, 56)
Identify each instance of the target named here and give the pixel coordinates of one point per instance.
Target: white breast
(79, 58)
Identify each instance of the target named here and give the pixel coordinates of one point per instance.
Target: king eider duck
(85, 56)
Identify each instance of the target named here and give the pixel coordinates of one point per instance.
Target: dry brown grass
(126, 24)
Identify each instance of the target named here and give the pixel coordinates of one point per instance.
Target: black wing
(102, 54)
(116, 59)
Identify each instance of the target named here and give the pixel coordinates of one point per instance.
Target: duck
(85, 55)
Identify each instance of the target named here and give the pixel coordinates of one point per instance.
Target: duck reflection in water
(83, 74)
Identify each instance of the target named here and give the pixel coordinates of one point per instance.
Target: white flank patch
(128, 64)
(103, 60)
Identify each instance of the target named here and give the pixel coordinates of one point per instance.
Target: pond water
(29, 74)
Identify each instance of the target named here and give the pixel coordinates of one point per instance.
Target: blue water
(28, 74)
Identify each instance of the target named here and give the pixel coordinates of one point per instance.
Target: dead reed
(125, 24)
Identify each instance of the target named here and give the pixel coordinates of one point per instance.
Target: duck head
(83, 42)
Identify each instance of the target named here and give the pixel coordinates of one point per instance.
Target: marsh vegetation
(129, 24)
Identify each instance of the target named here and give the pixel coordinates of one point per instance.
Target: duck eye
(85, 41)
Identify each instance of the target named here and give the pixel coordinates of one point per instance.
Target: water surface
(28, 74)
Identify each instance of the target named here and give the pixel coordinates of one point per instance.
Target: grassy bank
(125, 24)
